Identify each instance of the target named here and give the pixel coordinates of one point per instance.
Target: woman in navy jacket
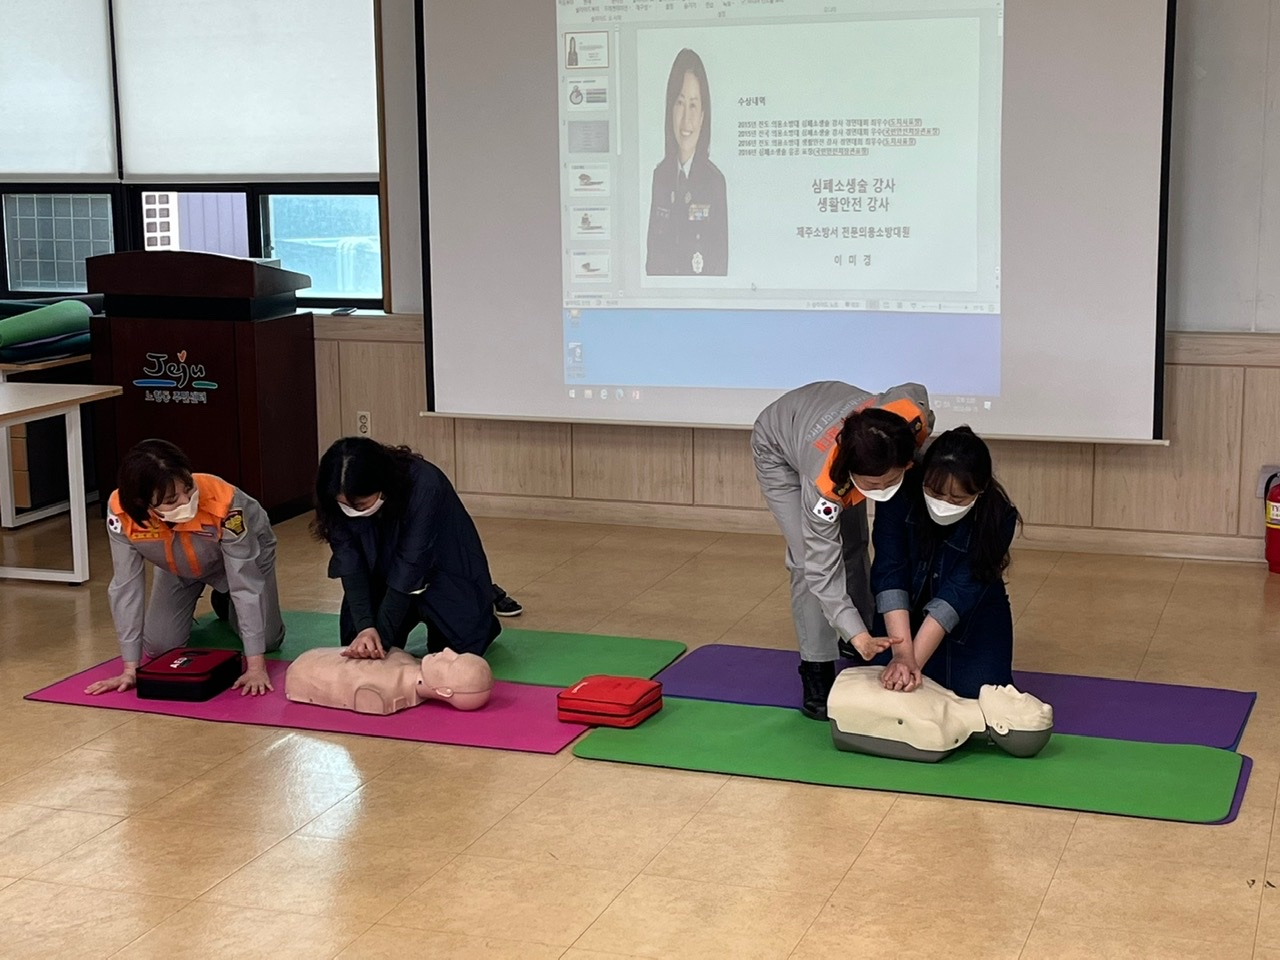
(405, 549)
(941, 549)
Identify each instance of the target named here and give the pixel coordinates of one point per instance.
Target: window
(202, 221)
(334, 239)
(48, 236)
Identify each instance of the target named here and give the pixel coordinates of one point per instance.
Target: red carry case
(189, 674)
(603, 701)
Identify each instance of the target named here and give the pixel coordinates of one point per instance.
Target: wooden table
(24, 402)
(10, 518)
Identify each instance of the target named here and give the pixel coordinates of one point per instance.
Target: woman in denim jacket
(941, 549)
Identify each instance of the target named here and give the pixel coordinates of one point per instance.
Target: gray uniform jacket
(228, 545)
(797, 434)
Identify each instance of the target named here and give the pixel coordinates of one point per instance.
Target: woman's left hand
(253, 682)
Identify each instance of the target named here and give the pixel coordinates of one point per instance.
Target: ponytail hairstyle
(149, 474)
(357, 467)
(871, 443)
(960, 460)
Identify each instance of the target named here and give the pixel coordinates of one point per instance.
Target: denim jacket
(903, 577)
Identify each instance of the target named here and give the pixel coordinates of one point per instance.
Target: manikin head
(463, 680)
(1017, 722)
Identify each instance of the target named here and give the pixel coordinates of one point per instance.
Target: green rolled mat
(519, 656)
(1159, 781)
(52, 320)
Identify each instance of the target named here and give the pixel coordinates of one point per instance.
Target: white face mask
(183, 513)
(880, 496)
(944, 514)
(351, 511)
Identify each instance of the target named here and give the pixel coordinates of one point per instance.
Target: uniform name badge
(697, 263)
(699, 211)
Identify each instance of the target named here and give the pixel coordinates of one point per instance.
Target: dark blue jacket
(941, 585)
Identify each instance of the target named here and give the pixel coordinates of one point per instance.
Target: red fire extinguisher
(1273, 522)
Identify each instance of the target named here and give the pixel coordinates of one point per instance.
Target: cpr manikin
(930, 722)
(325, 677)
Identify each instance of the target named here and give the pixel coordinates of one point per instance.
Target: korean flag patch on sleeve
(826, 510)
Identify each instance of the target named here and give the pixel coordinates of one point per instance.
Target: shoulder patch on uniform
(113, 523)
(826, 510)
(234, 522)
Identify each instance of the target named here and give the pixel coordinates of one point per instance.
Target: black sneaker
(505, 605)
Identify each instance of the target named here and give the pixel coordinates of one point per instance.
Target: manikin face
(1007, 708)
(464, 679)
(436, 668)
(686, 116)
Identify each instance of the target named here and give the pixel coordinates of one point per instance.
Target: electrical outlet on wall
(364, 424)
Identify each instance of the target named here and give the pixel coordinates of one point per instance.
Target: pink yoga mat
(517, 717)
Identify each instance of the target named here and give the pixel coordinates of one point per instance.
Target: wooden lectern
(213, 356)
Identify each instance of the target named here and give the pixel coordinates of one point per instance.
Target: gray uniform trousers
(817, 638)
(173, 603)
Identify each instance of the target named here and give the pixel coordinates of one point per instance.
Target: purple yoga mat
(517, 717)
(1087, 706)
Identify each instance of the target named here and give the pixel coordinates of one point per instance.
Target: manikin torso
(325, 677)
(931, 721)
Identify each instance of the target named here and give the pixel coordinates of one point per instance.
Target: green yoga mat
(520, 656)
(1155, 780)
(53, 320)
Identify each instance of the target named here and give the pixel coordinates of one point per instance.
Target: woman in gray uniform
(197, 530)
(688, 222)
(821, 451)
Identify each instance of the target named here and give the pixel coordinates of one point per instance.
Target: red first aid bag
(604, 701)
(189, 674)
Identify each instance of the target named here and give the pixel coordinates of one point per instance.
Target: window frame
(118, 227)
(256, 218)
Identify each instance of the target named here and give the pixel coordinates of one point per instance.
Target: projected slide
(754, 195)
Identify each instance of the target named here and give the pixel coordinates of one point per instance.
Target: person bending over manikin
(931, 722)
(327, 678)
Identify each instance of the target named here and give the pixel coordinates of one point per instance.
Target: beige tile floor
(318, 846)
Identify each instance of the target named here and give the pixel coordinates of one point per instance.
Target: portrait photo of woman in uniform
(688, 221)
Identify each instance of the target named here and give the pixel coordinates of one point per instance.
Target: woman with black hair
(942, 547)
(688, 222)
(405, 549)
(820, 452)
(196, 531)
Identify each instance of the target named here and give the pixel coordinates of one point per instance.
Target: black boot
(817, 678)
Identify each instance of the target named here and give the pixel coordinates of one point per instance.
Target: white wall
(1224, 211)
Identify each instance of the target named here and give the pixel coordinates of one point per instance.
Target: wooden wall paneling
(388, 381)
(1260, 444)
(723, 472)
(1051, 483)
(328, 394)
(1187, 486)
(370, 328)
(649, 464)
(513, 457)
(1222, 349)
